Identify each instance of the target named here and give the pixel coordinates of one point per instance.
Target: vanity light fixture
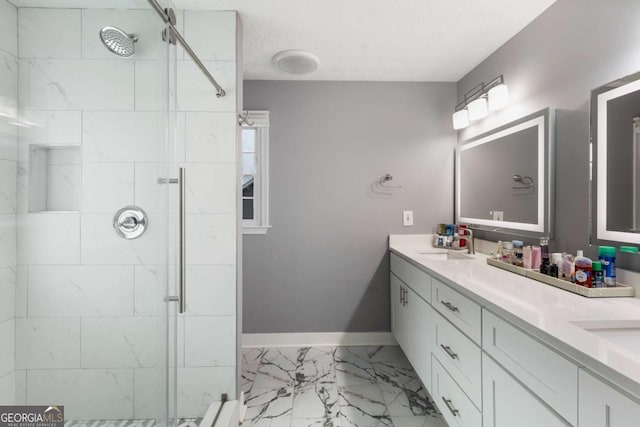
(461, 119)
(479, 101)
(478, 109)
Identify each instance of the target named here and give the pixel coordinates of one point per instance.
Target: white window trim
(260, 224)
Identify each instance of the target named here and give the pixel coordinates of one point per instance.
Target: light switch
(498, 215)
(407, 218)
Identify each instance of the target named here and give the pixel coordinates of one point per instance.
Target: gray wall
(572, 48)
(324, 266)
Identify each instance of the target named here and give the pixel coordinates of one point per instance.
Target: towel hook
(526, 181)
(386, 178)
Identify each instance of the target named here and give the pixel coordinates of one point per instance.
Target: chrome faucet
(471, 244)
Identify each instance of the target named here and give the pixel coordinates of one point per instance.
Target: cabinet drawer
(552, 377)
(417, 279)
(460, 310)
(460, 356)
(601, 405)
(399, 267)
(455, 406)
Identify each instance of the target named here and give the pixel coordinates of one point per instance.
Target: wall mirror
(503, 178)
(615, 139)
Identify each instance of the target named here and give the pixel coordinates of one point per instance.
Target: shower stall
(118, 210)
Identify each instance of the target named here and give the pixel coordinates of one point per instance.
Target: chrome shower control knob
(130, 222)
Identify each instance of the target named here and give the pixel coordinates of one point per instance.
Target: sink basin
(445, 256)
(623, 333)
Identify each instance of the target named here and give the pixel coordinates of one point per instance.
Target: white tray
(619, 290)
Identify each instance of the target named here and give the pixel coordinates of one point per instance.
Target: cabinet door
(419, 324)
(507, 403)
(549, 375)
(602, 406)
(399, 313)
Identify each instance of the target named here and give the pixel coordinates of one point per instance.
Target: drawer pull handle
(450, 406)
(448, 350)
(450, 306)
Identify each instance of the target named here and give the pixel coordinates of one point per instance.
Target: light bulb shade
(498, 97)
(460, 119)
(478, 109)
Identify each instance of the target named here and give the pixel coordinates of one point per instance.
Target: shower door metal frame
(168, 16)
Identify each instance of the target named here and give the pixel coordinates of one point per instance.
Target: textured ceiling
(389, 40)
(385, 40)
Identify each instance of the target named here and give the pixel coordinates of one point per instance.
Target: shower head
(117, 41)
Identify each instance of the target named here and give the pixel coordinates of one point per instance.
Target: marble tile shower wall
(8, 170)
(84, 311)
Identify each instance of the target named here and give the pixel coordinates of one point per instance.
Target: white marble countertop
(542, 310)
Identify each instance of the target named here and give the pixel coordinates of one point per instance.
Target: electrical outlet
(498, 215)
(407, 218)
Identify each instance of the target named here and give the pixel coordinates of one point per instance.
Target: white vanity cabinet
(412, 326)
(600, 405)
(507, 403)
(483, 370)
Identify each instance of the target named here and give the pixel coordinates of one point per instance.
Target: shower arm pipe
(220, 91)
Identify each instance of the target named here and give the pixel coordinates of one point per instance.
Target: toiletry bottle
(526, 257)
(561, 265)
(544, 254)
(536, 260)
(556, 262)
(449, 229)
(544, 266)
(607, 256)
(518, 253)
(455, 244)
(462, 231)
(498, 254)
(507, 252)
(583, 270)
(567, 267)
(598, 274)
(544, 248)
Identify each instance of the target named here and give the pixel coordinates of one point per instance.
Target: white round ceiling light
(295, 61)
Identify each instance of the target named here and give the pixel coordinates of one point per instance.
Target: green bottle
(598, 274)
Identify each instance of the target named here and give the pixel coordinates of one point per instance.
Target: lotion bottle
(526, 257)
(584, 273)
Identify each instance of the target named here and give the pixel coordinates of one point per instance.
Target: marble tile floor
(334, 387)
(182, 422)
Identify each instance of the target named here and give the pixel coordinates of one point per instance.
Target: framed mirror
(503, 178)
(615, 173)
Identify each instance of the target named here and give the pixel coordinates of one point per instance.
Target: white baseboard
(317, 339)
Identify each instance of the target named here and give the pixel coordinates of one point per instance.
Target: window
(255, 173)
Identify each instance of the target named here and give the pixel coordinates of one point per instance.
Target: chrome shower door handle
(183, 240)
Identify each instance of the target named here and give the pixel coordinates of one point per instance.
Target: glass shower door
(85, 219)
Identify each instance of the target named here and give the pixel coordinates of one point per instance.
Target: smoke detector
(295, 61)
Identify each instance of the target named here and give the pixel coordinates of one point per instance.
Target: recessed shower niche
(54, 178)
